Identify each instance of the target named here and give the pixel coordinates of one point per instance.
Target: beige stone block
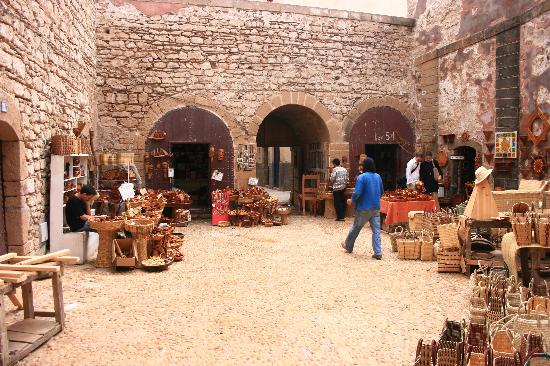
(28, 248)
(17, 224)
(19, 188)
(310, 101)
(263, 111)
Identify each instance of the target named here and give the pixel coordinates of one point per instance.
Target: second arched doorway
(192, 143)
(387, 136)
(294, 140)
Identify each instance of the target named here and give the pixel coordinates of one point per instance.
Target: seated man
(77, 211)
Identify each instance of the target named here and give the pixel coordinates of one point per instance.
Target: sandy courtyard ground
(283, 295)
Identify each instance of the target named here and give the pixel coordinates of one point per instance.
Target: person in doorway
(339, 178)
(77, 211)
(413, 170)
(366, 199)
(431, 175)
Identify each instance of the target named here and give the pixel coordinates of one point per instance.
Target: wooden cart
(465, 235)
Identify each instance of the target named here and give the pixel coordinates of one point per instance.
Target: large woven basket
(448, 235)
(522, 230)
(139, 227)
(448, 261)
(397, 234)
(424, 353)
(111, 225)
(416, 219)
(426, 248)
(63, 145)
(125, 158)
(408, 248)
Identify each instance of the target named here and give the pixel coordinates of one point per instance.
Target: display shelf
(73, 178)
(70, 190)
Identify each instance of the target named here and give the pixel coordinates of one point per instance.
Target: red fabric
(397, 212)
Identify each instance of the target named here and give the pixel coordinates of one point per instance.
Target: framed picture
(506, 145)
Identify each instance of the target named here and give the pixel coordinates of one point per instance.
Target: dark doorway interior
(386, 160)
(462, 171)
(191, 171)
(3, 241)
(276, 165)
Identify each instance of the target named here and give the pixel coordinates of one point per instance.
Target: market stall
(396, 205)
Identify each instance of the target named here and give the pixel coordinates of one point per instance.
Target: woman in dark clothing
(431, 185)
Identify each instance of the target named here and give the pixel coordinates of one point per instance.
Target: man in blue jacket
(366, 199)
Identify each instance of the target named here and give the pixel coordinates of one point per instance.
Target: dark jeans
(339, 204)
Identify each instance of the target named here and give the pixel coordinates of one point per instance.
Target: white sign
(252, 181)
(171, 173)
(4, 106)
(127, 191)
(217, 175)
(457, 157)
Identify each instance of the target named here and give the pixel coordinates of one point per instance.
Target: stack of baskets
(427, 253)
(449, 254)
(543, 231)
(398, 233)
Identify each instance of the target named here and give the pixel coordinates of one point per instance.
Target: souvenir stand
(396, 205)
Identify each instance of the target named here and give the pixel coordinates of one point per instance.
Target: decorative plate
(537, 126)
(539, 166)
(506, 145)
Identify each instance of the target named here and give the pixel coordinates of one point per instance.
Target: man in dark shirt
(77, 211)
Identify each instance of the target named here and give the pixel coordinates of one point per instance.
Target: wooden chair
(310, 190)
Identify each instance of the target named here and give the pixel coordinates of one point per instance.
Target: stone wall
(466, 54)
(238, 61)
(47, 73)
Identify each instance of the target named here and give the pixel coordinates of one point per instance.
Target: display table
(466, 225)
(511, 252)
(330, 212)
(398, 211)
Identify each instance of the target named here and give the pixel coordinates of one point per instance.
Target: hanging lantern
(221, 154)
(211, 152)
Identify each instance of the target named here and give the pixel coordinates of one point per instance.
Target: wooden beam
(8, 256)
(15, 300)
(28, 300)
(64, 259)
(32, 267)
(46, 257)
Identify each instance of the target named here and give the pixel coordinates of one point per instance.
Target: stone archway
(298, 99)
(367, 104)
(160, 108)
(381, 128)
(14, 212)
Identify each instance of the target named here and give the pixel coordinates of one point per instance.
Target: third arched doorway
(385, 135)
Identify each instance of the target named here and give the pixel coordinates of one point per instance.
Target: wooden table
(330, 212)
(510, 250)
(23, 337)
(466, 225)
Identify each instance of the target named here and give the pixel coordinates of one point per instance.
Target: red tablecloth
(398, 211)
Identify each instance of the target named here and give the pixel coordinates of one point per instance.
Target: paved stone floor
(283, 295)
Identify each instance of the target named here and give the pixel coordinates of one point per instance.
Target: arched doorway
(462, 167)
(199, 143)
(387, 136)
(303, 133)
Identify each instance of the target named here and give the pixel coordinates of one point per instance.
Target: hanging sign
(252, 181)
(217, 175)
(127, 191)
(457, 157)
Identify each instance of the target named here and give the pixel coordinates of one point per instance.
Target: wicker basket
(522, 230)
(448, 261)
(543, 232)
(449, 354)
(448, 235)
(397, 234)
(424, 353)
(125, 158)
(426, 248)
(408, 248)
(416, 219)
(107, 231)
(63, 145)
(502, 344)
(476, 359)
(478, 309)
(140, 230)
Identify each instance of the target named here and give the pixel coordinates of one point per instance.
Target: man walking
(413, 170)
(339, 178)
(366, 198)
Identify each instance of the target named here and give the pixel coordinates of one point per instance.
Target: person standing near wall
(431, 174)
(339, 178)
(366, 198)
(413, 170)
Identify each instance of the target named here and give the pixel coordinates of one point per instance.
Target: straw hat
(482, 173)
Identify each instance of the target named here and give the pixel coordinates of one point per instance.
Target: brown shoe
(377, 256)
(343, 245)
